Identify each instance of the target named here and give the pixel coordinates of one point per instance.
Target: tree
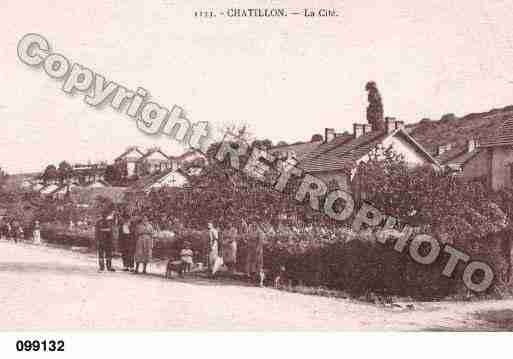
(110, 174)
(427, 196)
(448, 117)
(65, 171)
(263, 144)
(50, 173)
(3, 177)
(116, 173)
(375, 108)
(316, 137)
(5, 195)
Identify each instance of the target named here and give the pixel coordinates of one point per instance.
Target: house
(154, 161)
(87, 173)
(498, 150)
(169, 178)
(192, 162)
(130, 157)
(475, 146)
(190, 156)
(335, 160)
(296, 150)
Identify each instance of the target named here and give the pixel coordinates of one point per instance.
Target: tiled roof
(300, 149)
(150, 152)
(502, 137)
(146, 182)
(327, 146)
(483, 127)
(341, 153)
(463, 158)
(191, 153)
(128, 151)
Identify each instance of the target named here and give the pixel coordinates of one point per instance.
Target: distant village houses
(476, 147)
(133, 170)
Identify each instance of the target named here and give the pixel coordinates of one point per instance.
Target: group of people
(136, 235)
(135, 238)
(12, 229)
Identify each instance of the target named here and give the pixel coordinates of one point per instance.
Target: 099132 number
(40, 345)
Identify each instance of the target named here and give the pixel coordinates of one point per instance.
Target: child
(186, 257)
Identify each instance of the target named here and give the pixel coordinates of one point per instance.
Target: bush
(363, 265)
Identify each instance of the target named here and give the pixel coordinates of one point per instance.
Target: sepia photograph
(254, 166)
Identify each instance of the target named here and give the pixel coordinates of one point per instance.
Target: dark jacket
(103, 230)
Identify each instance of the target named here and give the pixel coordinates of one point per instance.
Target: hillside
(457, 130)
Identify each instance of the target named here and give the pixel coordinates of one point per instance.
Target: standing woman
(14, 230)
(213, 255)
(144, 245)
(230, 248)
(124, 242)
(132, 240)
(37, 233)
(251, 244)
(8, 230)
(259, 253)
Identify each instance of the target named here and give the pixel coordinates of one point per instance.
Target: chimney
(444, 148)
(329, 134)
(390, 124)
(357, 130)
(471, 145)
(367, 128)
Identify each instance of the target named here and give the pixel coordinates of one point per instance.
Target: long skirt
(230, 252)
(254, 258)
(214, 259)
(143, 249)
(37, 236)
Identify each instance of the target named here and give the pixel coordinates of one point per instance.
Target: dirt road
(48, 288)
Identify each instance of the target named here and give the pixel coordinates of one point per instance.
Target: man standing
(104, 239)
(125, 243)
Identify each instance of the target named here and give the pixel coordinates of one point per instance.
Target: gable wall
(478, 166)
(411, 154)
(501, 175)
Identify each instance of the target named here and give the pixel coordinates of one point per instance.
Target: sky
(287, 78)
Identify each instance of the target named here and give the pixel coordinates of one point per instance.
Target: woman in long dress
(213, 255)
(230, 248)
(144, 245)
(37, 233)
(255, 256)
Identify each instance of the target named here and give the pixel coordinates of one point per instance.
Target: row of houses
(475, 146)
(146, 171)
